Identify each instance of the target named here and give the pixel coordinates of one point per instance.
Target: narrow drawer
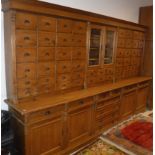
(47, 23)
(119, 62)
(140, 44)
(79, 53)
(45, 114)
(46, 38)
(79, 40)
(64, 39)
(79, 27)
(78, 65)
(77, 104)
(26, 70)
(46, 53)
(26, 54)
(26, 83)
(63, 53)
(108, 71)
(63, 66)
(103, 96)
(77, 83)
(26, 21)
(64, 25)
(45, 68)
(26, 38)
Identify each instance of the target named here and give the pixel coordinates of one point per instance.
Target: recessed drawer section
(64, 39)
(78, 65)
(77, 104)
(46, 38)
(45, 114)
(79, 27)
(46, 53)
(63, 66)
(26, 83)
(45, 68)
(26, 38)
(47, 23)
(64, 25)
(26, 21)
(26, 54)
(79, 53)
(63, 53)
(79, 40)
(26, 70)
(27, 92)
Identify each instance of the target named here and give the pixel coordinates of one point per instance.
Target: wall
(122, 9)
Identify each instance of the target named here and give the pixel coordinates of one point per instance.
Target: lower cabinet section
(62, 128)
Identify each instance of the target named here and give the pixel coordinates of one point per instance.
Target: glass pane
(94, 47)
(108, 56)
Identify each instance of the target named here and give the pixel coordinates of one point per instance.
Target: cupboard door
(142, 99)
(46, 137)
(79, 124)
(128, 104)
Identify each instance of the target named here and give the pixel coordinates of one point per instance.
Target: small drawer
(91, 81)
(128, 43)
(64, 25)
(63, 78)
(46, 53)
(45, 68)
(26, 70)
(63, 53)
(129, 34)
(61, 85)
(46, 81)
(122, 33)
(64, 39)
(26, 21)
(77, 104)
(79, 40)
(121, 43)
(103, 96)
(77, 83)
(136, 35)
(46, 38)
(127, 53)
(63, 66)
(135, 43)
(127, 61)
(120, 53)
(109, 77)
(79, 27)
(130, 88)
(78, 65)
(119, 62)
(27, 92)
(108, 71)
(79, 53)
(139, 52)
(77, 75)
(45, 114)
(26, 54)
(140, 44)
(47, 23)
(45, 89)
(26, 83)
(26, 38)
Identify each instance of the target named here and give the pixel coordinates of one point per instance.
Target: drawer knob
(65, 40)
(47, 68)
(81, 102)
(47, 54)
(27, 21)
(26, 38)
(26, 54)
(27, 82)
(64, 53)
(80, 28)
(47, 113)
(27, 70)
(65, 26)
(47, 39)
(64, 67)
(47, 23)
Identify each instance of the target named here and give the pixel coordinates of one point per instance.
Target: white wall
(122, 9)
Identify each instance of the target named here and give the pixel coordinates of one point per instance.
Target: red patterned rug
(135, 134)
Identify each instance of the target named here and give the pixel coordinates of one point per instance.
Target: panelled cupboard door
(46, 138)
(79, 125)
(142, 99)
(128, 104)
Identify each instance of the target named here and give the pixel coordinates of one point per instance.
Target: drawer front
(77, 75)
(26, 21)
(26, 54)
(45, 68)
(46, 53)
(127, 53)
(79, 40)
(122, 33)
(63, 53)
(28, 92)
(119, 62)
(46, 38)
(79, 53)
(128, 43)
(26, 70)
(77, 83)
(63, 66)
(126, 61)
(47, 23)
(79, 27)
(45, 114)
(129, 34)
(135, 43)
(64, 25)
(64, 39)
(26, 38)
(120, 52)
(78, 65)
(26, 83)
(121, 43)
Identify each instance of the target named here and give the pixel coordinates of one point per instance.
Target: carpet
(134, 134)
(99, 147)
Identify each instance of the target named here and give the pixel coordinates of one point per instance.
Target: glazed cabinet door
(79, 122)
(46, 138)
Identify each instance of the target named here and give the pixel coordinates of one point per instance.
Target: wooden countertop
(47, 101)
